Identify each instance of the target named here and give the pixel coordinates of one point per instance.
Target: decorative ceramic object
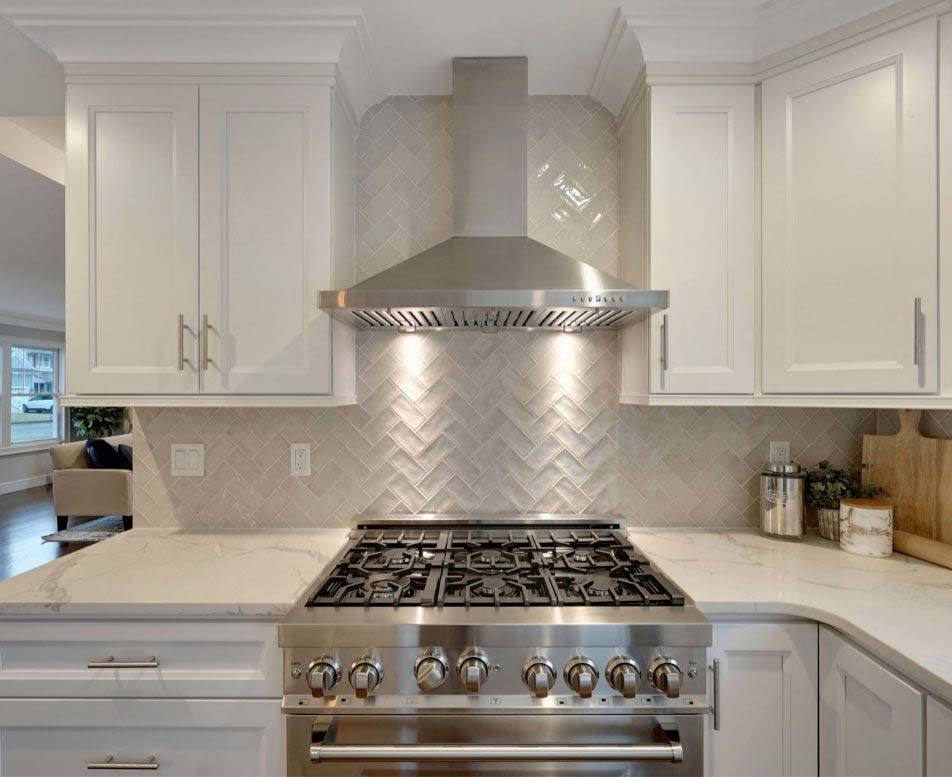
(866, 527)
(828, 523)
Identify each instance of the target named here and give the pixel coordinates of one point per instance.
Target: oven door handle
(670, 751)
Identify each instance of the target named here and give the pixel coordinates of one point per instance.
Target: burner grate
(492, 567)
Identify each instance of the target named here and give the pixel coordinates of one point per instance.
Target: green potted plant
(827, 486)
(91, 422)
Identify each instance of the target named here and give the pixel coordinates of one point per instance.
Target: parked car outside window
(45, 403)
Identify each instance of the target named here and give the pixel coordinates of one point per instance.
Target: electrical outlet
(779, 452)
(188, 460)
(301, 459)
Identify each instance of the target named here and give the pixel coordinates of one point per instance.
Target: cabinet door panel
(938, 739)
(265, 238)
(871, 721)
(850, 232)
(132, 238)
(187, 737)
(768, 700)
(702, 237)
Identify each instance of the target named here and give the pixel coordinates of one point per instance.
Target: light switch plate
(188, 460)
(301, 459)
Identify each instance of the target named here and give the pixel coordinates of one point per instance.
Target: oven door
(503, 744)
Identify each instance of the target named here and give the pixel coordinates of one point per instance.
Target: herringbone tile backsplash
(464, 422)
(467, 422)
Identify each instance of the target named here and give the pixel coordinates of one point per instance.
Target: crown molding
(731, 42)
(208, 33)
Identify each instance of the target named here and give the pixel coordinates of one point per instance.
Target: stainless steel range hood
(490, 275)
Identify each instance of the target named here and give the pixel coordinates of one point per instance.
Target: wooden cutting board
(916, 473)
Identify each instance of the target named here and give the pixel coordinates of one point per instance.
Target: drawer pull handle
(110, 663)
(111, 763)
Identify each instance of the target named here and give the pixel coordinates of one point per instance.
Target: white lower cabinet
(938, 739)
(871, 720)
(194, 659)
(767, 694)
(185, 737)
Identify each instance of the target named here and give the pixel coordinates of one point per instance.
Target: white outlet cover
(779, 452)
(188, 460)
(301, 459)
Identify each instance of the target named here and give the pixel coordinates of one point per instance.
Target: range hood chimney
(490, 275)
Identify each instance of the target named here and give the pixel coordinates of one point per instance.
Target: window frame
(7, 344)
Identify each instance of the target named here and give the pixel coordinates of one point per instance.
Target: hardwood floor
(25, 516)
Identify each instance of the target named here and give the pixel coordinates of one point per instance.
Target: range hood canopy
(490, 275)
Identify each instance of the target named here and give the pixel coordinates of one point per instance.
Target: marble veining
(898, 608)
(163, 572)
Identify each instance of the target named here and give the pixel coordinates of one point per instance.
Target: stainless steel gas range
(542, 645)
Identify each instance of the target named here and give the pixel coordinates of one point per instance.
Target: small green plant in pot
(90, 422)
(827, 486)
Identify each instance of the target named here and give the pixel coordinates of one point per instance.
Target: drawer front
(187, 737)
(153, 659)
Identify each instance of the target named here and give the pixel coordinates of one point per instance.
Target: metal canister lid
(791, 470)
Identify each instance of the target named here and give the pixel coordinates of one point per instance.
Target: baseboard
(24, 483)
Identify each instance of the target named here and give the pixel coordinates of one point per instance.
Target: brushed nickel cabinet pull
(205, 358)
(917, 332)
(111, 763)
(716, 693)
(182, 327)
(664, 347)
(110, 663)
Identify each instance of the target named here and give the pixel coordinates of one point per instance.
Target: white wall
(24, 470)
(32, 244)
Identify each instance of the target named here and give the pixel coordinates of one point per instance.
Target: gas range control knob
(365, 675)
(322, 675)
(472, 669)
(430, 669)
(581, 675)
(623, 674)
(539, 676)
(665, 675)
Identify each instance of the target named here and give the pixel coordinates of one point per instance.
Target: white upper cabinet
(265, 171)
(871, 720)
(132, 239)
(688, 224)
(269, 166)
(702, 238)
(850, 265)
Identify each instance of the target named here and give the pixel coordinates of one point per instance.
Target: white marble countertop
(177, 573)
(898, 608)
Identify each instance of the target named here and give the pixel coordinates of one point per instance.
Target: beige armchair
(78, 489)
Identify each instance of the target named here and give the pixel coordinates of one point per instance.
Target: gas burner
(460, 587)
(622, 586)
(492, 567)
(598, 585)
(394, 559)
(491, 586)
(492, 561)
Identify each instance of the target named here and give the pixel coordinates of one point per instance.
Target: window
(29, 412)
